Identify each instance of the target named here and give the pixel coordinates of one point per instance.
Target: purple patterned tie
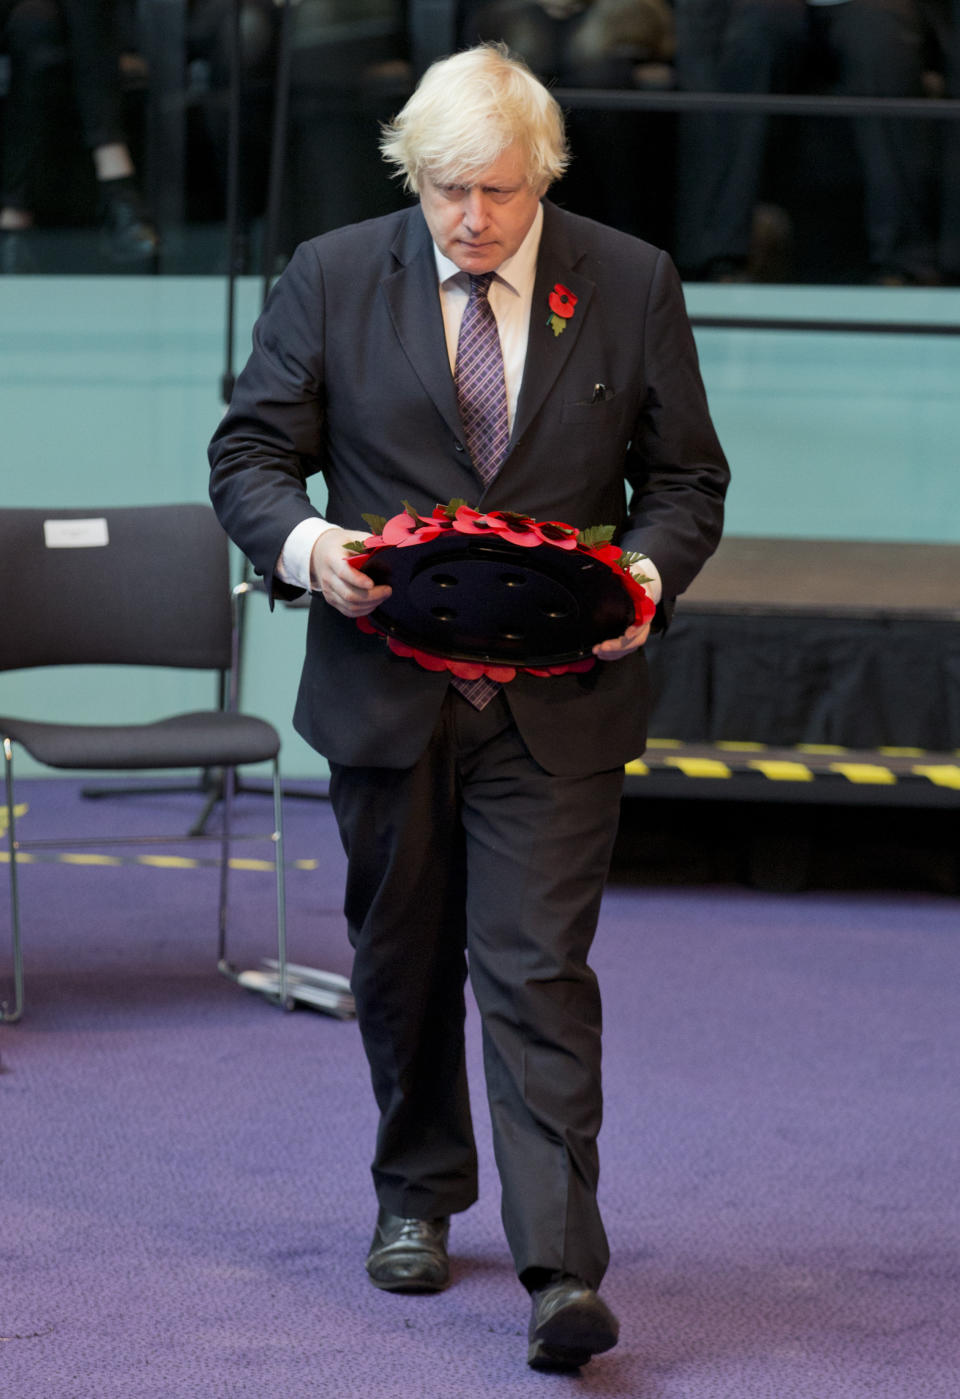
(481, 391)
(482, 399)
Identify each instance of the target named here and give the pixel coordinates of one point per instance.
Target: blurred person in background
(596, 44)
(209, 35)
(49, 43)
(868, 48)
(944, 18)
(579, 43)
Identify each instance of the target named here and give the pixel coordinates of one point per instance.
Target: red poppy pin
(562, 301)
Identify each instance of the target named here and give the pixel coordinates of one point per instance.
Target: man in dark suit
(475, 825)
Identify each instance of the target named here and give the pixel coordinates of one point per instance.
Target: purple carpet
(184, 1196)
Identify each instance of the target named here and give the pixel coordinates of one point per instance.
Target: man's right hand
(347, 589)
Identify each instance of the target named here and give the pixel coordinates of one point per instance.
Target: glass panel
(111, 366)
(794, 188)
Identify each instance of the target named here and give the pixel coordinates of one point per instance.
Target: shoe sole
(569, 1338)
(543, 1357)
(401, 1277)
(407, 1285)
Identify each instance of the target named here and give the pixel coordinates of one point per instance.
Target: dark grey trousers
(477, 858)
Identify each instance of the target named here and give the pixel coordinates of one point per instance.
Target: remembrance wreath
(410, 528)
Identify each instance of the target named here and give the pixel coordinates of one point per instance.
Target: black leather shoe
(568, 1324)
(409, 1255)
(128, 234)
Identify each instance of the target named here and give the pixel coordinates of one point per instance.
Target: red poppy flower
(514, 528)
(465, 670)
(562, 301)
(470, 521)
(606, 553)
(553, 532)
(405, 529)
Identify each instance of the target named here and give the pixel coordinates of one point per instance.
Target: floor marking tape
(879, 774)
(162, 862)
(700, 767)
(865, 773)
(941, 774)
(782, 771)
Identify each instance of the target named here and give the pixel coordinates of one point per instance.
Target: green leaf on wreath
(627, 562)
(521, 524)
(596, 534)
(375, 523)
(354, 546)
(452, 506)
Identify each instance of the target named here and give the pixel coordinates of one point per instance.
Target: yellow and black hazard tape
(881, 767)
(33, 856)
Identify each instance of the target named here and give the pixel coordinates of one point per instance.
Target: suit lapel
(414, 303)
(548, 354)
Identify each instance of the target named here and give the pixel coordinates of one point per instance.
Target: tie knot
(480, 285)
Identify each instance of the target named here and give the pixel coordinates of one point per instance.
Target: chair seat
(208, 738)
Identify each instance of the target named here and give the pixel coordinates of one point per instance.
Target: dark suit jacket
(349, 375)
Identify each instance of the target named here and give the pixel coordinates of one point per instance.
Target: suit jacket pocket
(598, 413)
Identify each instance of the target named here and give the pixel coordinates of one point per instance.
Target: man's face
(479, 224)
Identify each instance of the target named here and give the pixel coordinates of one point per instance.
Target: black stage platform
(811, 670)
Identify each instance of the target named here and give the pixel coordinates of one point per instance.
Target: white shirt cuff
(646, 572)
(293, 565)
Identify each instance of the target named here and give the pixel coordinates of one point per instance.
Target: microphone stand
(320, 990)
(211, 782)
(271, 239)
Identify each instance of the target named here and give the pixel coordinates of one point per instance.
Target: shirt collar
(517, 271)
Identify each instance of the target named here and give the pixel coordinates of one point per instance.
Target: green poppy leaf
(596, 534)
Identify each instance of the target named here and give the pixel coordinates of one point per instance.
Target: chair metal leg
(228, 785)
(281, 884)
(5, 1013)
(280, 991)
(272, 988)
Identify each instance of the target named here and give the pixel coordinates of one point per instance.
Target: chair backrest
(130, 585)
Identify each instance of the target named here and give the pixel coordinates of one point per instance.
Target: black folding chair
(139, 586)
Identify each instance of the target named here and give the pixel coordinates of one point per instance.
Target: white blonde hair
(466, 110)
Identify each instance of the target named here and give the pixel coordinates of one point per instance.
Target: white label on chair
(75, 534)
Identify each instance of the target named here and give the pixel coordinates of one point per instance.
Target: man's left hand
(619, 646)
